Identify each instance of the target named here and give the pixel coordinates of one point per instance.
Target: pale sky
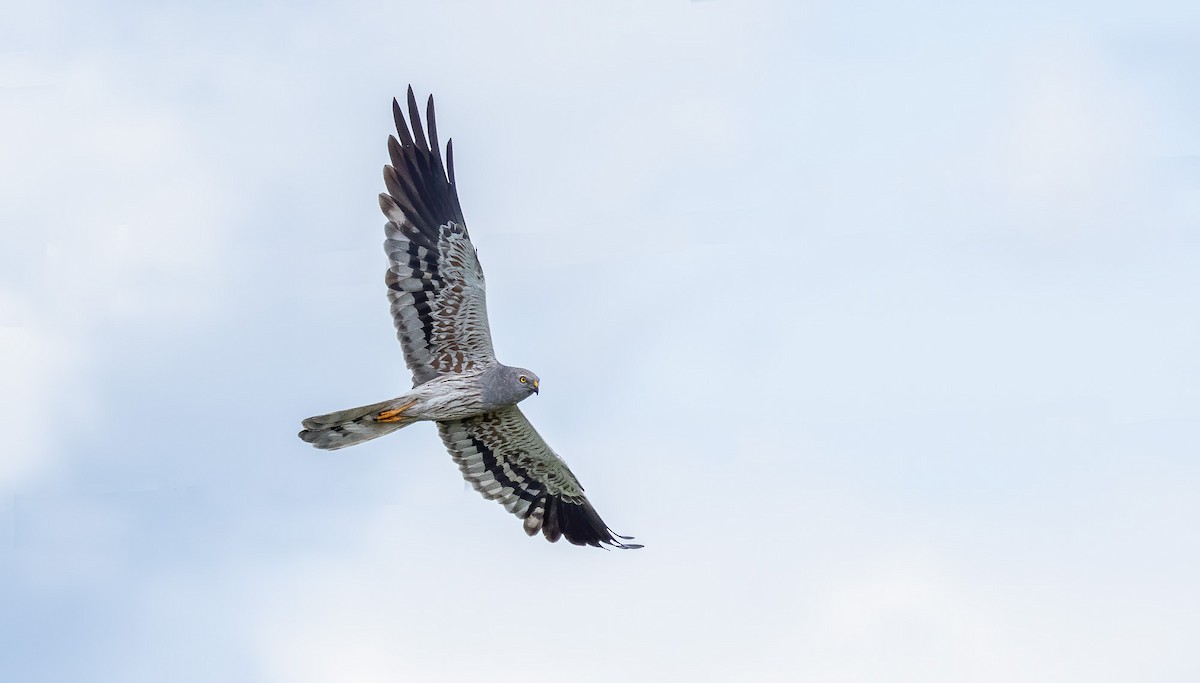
(876, 324)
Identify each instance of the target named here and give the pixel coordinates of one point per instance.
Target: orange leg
(395, 414)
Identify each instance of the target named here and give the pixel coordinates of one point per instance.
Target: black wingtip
(622, 546)
(418, 180)
(401, 124)
(578, 522)
(431, 122)
(414, 117)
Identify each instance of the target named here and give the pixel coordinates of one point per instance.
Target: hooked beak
(535, 386)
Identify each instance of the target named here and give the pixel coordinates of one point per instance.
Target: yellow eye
(522, 379)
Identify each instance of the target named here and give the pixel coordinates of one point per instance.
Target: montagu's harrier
(436, 289)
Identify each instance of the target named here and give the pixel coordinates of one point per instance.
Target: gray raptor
(436, 289)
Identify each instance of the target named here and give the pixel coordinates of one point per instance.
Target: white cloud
(36, 371)
(1073, 139)
(114, 219)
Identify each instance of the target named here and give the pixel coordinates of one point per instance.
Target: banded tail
(356, 425)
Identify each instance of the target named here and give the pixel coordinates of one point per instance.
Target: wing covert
(435, 284)
(506, 460)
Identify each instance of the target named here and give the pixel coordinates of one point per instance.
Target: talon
(394, 414)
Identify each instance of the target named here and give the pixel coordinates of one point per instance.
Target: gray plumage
(437, 294)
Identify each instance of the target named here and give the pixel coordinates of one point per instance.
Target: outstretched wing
(507, 461)
(435, 284)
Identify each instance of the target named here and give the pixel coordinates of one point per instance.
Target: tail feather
(356, 425)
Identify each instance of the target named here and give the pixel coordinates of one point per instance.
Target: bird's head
(526, 380)
(506, 386)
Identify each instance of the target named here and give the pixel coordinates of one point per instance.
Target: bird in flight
(436, 290)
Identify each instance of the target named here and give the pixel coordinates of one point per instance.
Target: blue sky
(876, 324)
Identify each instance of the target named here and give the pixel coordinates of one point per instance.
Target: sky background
(875, 322)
